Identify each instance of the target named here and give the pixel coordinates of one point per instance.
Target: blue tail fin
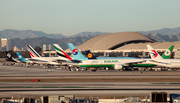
(20, 56)
(90, 55)
(77, 55)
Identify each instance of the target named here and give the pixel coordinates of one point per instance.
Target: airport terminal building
(132, 44)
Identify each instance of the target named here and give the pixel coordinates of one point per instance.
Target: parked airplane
(77, 55)
(159, 61)
(21, 58)
(116, 63)
(36, 58)
(147, 63)
(10, 58)
(167, 55)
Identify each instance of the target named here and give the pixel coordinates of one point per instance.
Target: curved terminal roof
(156, 45)
(113, 41)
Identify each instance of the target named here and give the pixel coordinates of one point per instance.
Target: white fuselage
(48, 60)
(108, 62)
(170, 63)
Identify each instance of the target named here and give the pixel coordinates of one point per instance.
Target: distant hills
(23, 34)
(164, 38)
(38, 38)
(8, 33)
(39, 41)
(165, 31)
(89, 33)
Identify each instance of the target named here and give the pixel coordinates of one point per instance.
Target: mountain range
(23, 34)
(164, 31)
(40, 41)
(9, 33)
(38, 38)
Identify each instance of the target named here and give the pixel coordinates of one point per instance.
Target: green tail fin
(167, 54)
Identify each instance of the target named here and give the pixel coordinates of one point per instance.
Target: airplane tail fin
(60, 52)
(9, 57)
(90, 55)
(77, 55)
(153, 53)
(32, 52)
(167, 54)
(20, 56)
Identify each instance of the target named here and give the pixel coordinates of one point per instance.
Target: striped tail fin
(32, 52)
(60, 52)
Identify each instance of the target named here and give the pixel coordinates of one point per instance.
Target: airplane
(159, 61)
(167, 55)
(22, 59)
(77, 55)
(76, 52)
(116, 63)
(10, 58)
(36, 58)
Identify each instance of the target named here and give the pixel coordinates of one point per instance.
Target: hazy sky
(69, 17)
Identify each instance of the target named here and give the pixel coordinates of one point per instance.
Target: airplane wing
(131, 62)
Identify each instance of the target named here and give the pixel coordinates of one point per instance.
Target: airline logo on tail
(75, 51)
(20, 56)
(8, 55)
(89, 55)
(167, 53)
(155, 54)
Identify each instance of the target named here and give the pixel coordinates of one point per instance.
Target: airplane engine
(118, 67)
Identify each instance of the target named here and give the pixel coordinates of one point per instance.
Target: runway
(87, 88)
(19, 72)
(96, 88)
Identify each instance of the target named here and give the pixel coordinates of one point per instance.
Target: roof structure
(114, 41)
